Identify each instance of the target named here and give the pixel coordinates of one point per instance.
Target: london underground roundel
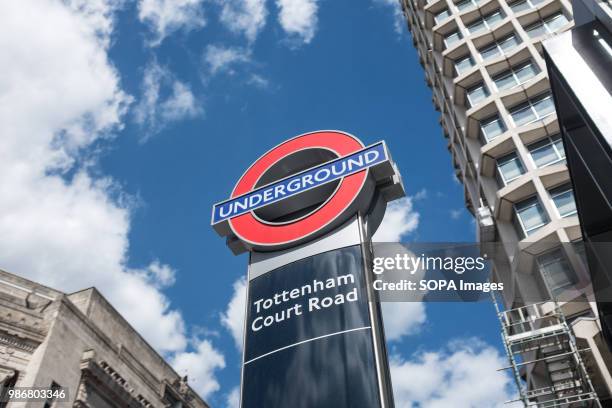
(303, 188)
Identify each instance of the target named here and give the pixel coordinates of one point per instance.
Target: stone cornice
(26, 344)
(106, 384)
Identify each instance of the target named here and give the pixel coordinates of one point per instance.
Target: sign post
(306, 212)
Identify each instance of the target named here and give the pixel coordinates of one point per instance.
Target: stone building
(79, 342)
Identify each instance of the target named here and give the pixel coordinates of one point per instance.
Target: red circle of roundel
(250, 229)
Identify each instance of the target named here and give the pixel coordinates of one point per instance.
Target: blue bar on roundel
(306, 180)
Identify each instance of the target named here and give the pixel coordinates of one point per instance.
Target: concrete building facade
(483, 61)
(79, 342)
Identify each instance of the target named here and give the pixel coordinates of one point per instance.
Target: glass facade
(588, 148)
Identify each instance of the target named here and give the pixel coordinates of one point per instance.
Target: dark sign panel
(309, 336)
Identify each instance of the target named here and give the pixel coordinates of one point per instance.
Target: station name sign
(306, 180)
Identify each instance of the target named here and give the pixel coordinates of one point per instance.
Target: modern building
(579, 63)
(80, 343)
(483, 61)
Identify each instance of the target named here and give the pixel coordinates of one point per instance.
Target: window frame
(448, 14)
(535, 202)
(498, 45)
(570, 273)
(512, 156)
(488, 120)
(480, 85)
(544, 22)
(512, 72)
(467, 57)
(558, 191)
(484, 21)
(530, 104)
(472, 3)
(551, 141)
(532, 5)
(459, 38)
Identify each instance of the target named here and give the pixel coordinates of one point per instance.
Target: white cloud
(161, 274)
(180, 104)
(98, 15)
(218, 59)
(233, 398)
(456, 179)
(402, 316)
(167, 16)
(398, 14)
(298, 18)
(400, 219)
(60, 96)
(402, 319)
(247, 17)
(259, 81)
(154, 111)
(200, 366)
(221, 59)
(456, 214)
(233, 318)
(422, 194)
(464, 375)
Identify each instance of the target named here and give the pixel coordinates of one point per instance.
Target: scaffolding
(532, 336)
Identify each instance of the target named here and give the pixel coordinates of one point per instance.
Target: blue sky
(127, 120)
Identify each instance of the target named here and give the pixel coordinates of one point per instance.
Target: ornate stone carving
(6, 374)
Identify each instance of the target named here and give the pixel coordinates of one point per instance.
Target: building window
(463, 64)
(441, 16)
(547, 26)
(547, 151)
(556, 271)
(9, 382)
(523, 5)
(516, 76)
(465, 4)
(477, 94)
(492, 127)
(530, 216)
(452, 38)
(501, 47)
(563, 197)
(486, 23)
(534, 109)
(49, 402)
(509, 168)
